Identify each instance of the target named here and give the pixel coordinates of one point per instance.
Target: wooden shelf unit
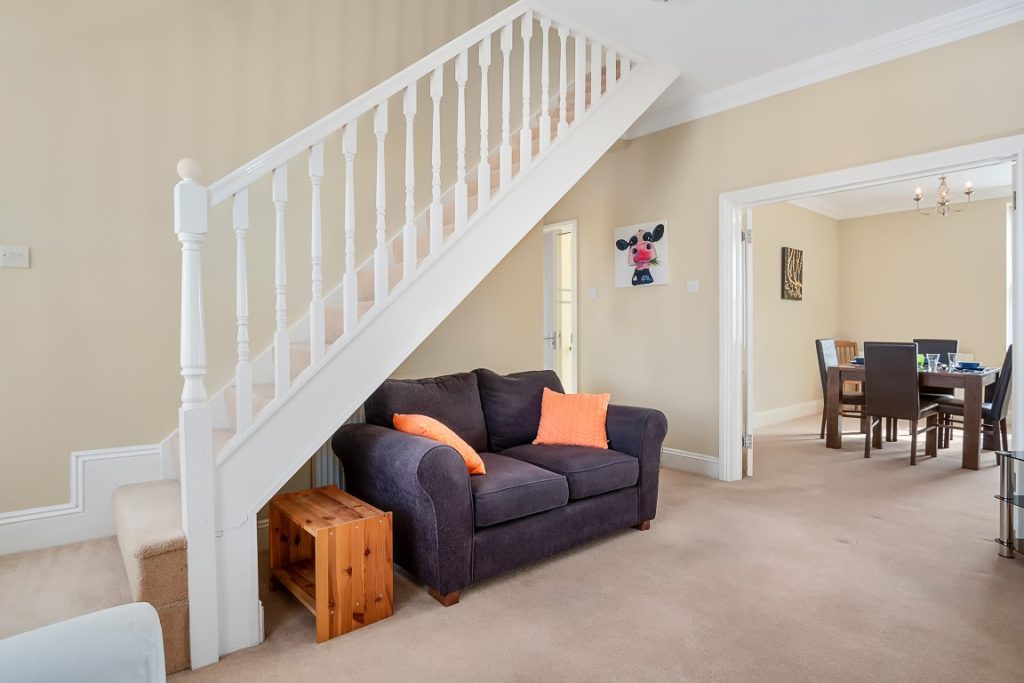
(333, 552)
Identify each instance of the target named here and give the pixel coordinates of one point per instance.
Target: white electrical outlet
(692, 286)
(592, 293)
(13, 257)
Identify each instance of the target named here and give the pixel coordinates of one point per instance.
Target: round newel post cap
(189, 169)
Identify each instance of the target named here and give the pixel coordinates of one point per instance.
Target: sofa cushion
(514, 488)
(511, 404)
(589, 471)
(452, 400)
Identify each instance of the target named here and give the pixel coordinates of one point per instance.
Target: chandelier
(944, 201)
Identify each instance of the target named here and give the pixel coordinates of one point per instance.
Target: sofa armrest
(640, 432)
(426, 486)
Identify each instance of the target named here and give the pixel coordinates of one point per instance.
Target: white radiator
(327, 467)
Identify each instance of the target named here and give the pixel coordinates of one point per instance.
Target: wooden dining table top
(933, 378)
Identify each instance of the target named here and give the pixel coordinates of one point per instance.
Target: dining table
(972, 383)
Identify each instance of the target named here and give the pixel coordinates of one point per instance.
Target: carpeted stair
(147, 518)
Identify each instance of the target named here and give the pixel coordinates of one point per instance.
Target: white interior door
(560, 303)
(748, 343)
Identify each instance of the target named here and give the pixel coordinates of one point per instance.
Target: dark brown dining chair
(993, 412)
(828, 357)
(943, 347)
(891, 391)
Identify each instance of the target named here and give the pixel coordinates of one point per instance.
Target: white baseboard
(685, 461)
(88, 514)
(774, 416)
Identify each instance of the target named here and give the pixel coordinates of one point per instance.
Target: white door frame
(571, 227)
(732, 298)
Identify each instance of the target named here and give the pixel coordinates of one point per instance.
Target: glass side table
(1009, 499)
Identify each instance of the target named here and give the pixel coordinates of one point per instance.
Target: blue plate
(856, 361)
(970, 365)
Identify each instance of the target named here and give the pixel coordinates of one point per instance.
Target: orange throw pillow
(428, 427)
(573, 420)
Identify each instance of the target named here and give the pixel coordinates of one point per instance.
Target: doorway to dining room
(849, 256)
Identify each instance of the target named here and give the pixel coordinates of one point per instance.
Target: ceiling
(990, 182)
(731, 52)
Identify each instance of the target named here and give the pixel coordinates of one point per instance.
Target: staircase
(236, 448)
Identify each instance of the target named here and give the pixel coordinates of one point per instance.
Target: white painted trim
(731, 294)
(572, 228)
(685, 461)
(88, 513)
(773, 416)
(934, 32)
(826, 206)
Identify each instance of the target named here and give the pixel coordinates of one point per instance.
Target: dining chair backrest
(846, 350)
(891, 381)
(939, 346)
(1001, 395)
(827, 358)
(943, 347)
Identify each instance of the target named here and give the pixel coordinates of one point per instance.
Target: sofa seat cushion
(452, 400)
(514, 488)
(589, 471)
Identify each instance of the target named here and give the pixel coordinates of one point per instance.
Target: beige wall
(101, 99)
(884, 112)
(907, 276)
(785, 366)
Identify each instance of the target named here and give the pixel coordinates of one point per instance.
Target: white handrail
(285, 151)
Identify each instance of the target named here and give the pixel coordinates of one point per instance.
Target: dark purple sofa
(451, 529)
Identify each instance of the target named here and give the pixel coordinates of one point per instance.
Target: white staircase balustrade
(237, 447)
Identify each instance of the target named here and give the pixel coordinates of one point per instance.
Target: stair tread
(147, 517)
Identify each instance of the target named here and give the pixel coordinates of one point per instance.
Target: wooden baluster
(461, 192)
(595, 72)
(563, 85)
(505, 151)
(380, 253)
(526, 132)
(580, 76)
(545, 85)
(436, 210)
(409, 232)
(195, 425)
(317, 337)
(611, 68)
(350, 283)
(483, 171)
(282, 371)
(243, 369)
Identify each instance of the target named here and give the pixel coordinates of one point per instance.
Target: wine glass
(954, 361)
(933, 361)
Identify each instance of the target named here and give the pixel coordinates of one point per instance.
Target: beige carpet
(46, 586)
(824, 567)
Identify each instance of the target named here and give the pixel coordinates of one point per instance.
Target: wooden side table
(333, 552)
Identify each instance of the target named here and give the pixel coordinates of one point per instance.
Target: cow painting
(641, 253)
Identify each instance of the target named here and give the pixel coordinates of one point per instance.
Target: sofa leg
(446, 600)
(644, 525)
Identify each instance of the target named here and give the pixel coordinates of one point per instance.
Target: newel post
(194, 422)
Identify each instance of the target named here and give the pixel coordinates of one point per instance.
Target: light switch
(592, 293)
(692, 286)
(13, 257)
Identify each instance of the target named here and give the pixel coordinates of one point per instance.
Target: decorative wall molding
(685, 461)
(764, 418)
(935, 32)
(88, 513)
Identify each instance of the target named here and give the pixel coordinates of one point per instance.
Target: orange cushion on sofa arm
(573, 419)
(428, 427)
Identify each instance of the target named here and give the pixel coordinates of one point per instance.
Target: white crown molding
(941, 30)
(88, 513)
(826, 206)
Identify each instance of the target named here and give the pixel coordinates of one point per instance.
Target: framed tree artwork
(792, 274)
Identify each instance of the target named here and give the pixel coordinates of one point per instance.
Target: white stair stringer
(253, 466)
